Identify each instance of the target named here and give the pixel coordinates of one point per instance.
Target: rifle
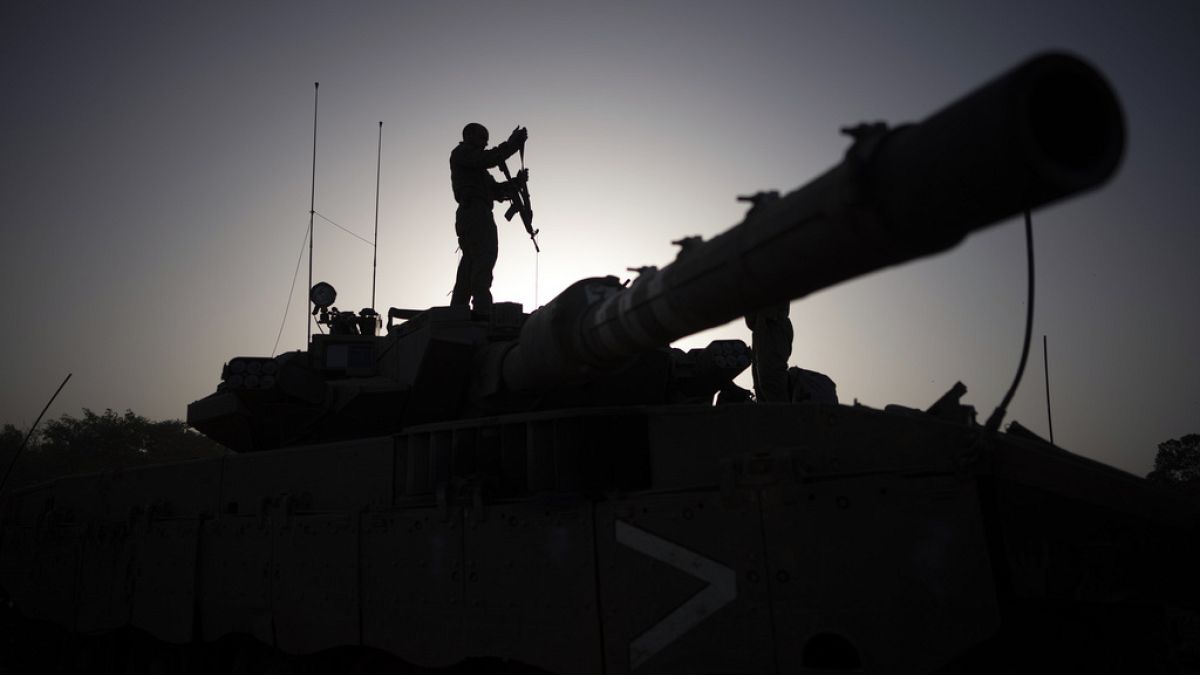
(521, 203)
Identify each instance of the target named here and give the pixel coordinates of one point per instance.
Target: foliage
(1177, 464)
(99, 442)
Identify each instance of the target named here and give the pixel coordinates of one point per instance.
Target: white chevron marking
(721, 590)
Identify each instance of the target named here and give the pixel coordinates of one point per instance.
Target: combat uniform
(771, 337)
(475, 190)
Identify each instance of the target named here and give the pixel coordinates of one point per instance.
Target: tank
(556, 491)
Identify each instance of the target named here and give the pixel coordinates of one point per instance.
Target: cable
(993, 422)
(343, 229)
(291, 290)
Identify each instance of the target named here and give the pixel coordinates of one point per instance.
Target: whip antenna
(33, 428)
(312, 210)
(1046, 370)
(375, 245)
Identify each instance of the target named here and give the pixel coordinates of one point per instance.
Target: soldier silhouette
(475, 190)
(770, 332)
(771, 336)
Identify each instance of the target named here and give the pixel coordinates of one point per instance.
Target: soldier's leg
(486, 250)
(771, 358)
(771, 339)
(462, 281)
(463, 219)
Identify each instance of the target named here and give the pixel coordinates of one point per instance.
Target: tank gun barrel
(1047, 129)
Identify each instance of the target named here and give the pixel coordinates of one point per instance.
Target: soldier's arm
(509, 188)
(485, 159)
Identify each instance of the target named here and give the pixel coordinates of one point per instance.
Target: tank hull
(741, 539)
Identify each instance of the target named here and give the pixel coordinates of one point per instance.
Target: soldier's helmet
(475, 133)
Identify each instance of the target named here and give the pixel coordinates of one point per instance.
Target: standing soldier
(770, 332)
(771, 340)
(475, 190)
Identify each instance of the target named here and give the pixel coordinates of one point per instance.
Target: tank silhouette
(554, 492)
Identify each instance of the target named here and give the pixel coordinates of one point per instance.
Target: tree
(1177, 464)
(99, 442)
(10, 442)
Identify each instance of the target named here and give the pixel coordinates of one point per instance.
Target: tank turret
(1047, 129)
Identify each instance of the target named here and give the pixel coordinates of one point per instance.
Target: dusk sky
(155, 174)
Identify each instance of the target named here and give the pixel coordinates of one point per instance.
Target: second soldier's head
(475, 134)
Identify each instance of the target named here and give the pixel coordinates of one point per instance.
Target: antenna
(1046, 369)
(33, 428)
(375, 244)
(312, 210)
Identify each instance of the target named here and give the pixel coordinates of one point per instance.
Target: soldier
(475, 189)
(771, 340)
(770, 330)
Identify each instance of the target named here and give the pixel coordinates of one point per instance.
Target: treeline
(98, 442)
(1177, 465)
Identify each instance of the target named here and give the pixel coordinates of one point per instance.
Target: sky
(156, 160)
